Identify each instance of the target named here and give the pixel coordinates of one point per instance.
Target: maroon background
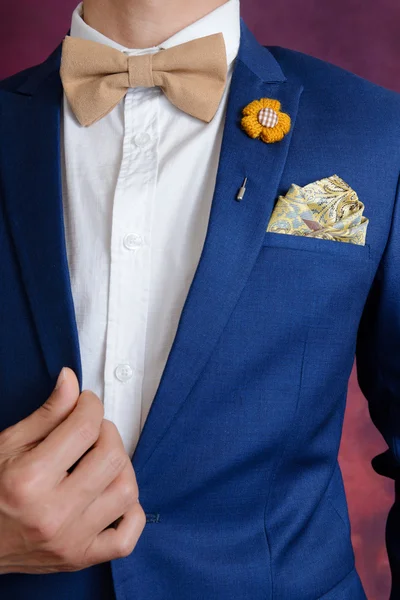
(360, 35)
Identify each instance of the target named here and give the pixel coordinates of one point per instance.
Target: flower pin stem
(242, 191)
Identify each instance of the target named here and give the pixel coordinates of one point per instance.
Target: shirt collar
(225, 19)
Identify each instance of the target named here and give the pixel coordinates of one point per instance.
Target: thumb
(50, 414)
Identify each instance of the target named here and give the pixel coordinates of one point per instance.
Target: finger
(112, 504)
(70, 440)
(97, 469)
(48, 416)
(120, 542)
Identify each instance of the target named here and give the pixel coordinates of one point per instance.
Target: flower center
(267, 117)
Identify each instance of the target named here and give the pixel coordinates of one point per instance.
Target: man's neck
(144, 23)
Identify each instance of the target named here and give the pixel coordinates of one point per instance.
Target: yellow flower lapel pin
(263, 119)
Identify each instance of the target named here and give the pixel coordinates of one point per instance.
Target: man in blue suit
(204, 232)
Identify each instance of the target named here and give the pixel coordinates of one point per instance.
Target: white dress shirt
(137, 192)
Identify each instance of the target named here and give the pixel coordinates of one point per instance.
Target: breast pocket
(317, 245)
(316, 282)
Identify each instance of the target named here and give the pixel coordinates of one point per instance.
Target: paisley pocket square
(328, 209)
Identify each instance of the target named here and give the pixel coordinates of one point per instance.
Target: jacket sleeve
(378, 374)
(378, 350)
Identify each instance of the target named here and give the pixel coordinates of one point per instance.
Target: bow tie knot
(140, 70)
(96, 77)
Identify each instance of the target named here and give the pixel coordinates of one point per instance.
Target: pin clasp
(242, 191)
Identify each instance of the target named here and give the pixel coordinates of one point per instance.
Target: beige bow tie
(96, 77)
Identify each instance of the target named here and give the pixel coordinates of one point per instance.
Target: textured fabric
(327, 209)
(137, 191)
(237, 462)
(96, 77)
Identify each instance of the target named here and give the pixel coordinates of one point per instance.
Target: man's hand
(53, 518)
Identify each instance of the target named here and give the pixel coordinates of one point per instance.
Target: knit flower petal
(251, 126)
(253, 108)
(271, 135)
(271, 103)
(284, 122)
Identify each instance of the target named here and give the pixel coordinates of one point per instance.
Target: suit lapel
(234, 236)
(31, 190)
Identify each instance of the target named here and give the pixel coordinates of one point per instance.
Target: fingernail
(61, 379)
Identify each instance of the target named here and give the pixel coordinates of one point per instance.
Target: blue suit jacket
(237, 462)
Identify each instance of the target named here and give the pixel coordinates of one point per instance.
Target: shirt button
(133, 241)
(141, 139)
(123, 372)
